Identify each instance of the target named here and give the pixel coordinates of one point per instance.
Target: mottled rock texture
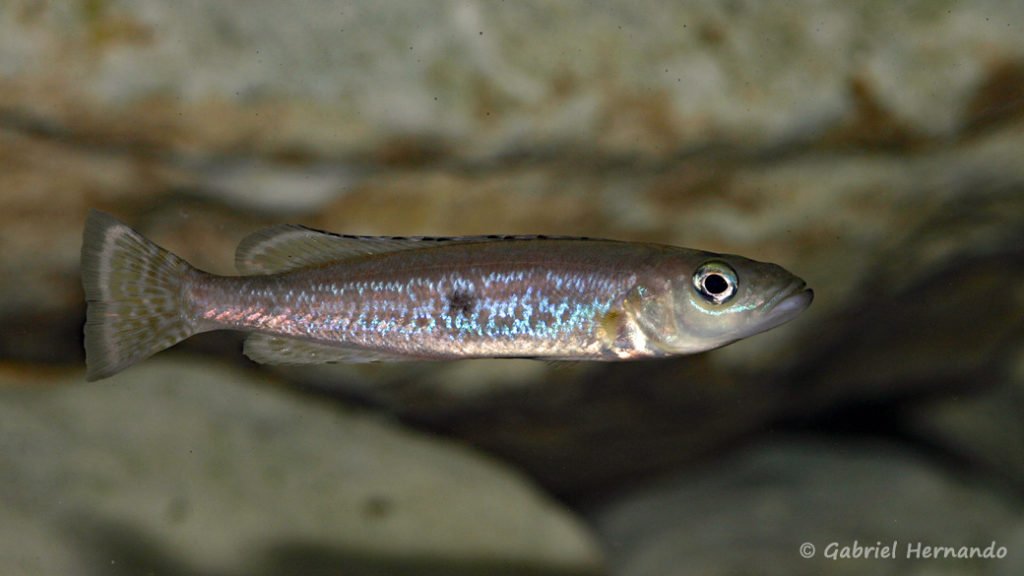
(188, 468)
(796, 507)
(873, 148)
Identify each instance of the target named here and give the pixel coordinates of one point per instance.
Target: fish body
(308, 296)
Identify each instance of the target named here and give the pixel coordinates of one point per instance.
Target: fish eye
(715, 282)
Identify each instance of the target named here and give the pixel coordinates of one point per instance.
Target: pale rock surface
(205, 469)
(872, 148)
(752, 512)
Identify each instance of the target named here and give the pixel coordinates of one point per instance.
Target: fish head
(710, 300)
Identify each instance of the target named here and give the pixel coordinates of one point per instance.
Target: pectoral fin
(621, 336)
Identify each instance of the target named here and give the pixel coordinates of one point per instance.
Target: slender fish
(309, 297)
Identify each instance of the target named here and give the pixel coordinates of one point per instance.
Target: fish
(306, 296)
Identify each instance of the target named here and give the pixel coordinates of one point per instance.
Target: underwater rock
(875, 153)
(791, 506)
(187, 468)
(984, 428)
(488, 79)
(683, 123)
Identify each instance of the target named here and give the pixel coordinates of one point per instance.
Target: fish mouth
(788, 303)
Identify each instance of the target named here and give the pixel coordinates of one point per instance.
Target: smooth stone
(751, 513)
(191, 468)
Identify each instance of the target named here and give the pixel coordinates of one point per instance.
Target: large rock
(983, 427)
(484, 78)
(874, 152)
(521, 112)
(180, 468)
(794, 507)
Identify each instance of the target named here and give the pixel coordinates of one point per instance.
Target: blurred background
(875, 149)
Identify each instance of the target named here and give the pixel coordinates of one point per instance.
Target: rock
(684, 124)
(942, 311)
(188, 468)
(976, 426)
(1014, 563)
(497, 78)
(756, 511)
(876, 153)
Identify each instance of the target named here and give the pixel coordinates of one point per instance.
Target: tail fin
(133, 289)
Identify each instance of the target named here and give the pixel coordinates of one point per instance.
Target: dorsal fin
(287, 247)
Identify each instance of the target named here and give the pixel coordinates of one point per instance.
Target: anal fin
(271, 349)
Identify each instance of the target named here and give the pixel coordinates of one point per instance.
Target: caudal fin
(133, 289)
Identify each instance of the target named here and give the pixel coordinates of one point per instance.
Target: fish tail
(134, 294)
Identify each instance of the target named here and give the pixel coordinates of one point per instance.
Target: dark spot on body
(461, 303)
